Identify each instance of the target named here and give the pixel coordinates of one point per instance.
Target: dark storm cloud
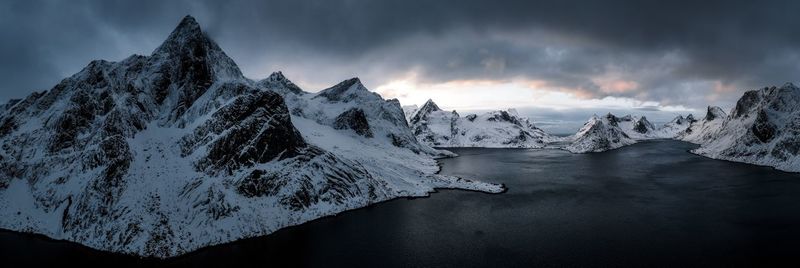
(673, 51)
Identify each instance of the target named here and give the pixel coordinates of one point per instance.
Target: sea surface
(649, 204)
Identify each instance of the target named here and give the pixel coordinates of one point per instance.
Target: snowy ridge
(677, 127)
(702, 131)
(763, 129)
(160, 155)
(495, 129)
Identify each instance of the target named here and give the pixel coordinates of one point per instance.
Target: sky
(553, 60)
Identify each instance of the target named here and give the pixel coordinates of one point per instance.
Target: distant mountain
(600, 134)
(495, 129)
(763, 129)
(160, 155)
(636, 127)
(676, 127)
(701, 131)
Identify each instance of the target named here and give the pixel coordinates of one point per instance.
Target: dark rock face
(762, 128)
(642, 125)
(612, 119)
(79, 116)
(713, 113)
(747, 102)
(354, 119)
(257, 129)
(96, 203)
(471, 117)
(503, 116)
(260, 183)
(789, 145)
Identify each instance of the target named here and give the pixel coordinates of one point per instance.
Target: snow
(599, 134)
(494, 129)
(125, 156)
(763, 129)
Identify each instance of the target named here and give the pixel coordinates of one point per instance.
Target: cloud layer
(671, 52)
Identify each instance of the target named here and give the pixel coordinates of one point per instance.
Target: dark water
(650, 204)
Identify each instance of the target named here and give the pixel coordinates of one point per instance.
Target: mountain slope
(676, 127)
(703, 130)
(763, 129)
(599, 134)
(439, 128)
(163, 154)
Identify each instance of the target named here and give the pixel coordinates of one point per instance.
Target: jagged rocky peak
(344, 91)
(641, 125)
(714, 112)
(778, 97)
(430, 106)
(424, 111)
(279, 83)
(612, 119)
(191, 49)
(678, 120)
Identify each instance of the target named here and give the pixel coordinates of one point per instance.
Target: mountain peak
(423, 111)
(342, 89)
(188, 45)
(277, 76)
(430, 106)
(189, 23)
(714, 112)
(188, 32)
(279, 83)
(350, 83)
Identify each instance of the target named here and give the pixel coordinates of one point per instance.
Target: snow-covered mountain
(611, 132)
(160, 155)
(702, 131)
(636, 127)
(496, 129)
(763, 129)
(600, 134)
(676, 127)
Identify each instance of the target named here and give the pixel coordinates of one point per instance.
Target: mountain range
(163, 154)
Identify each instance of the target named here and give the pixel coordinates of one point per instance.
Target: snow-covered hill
(160, 155)
(495, 129)
(600, 134)
(763, 129)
